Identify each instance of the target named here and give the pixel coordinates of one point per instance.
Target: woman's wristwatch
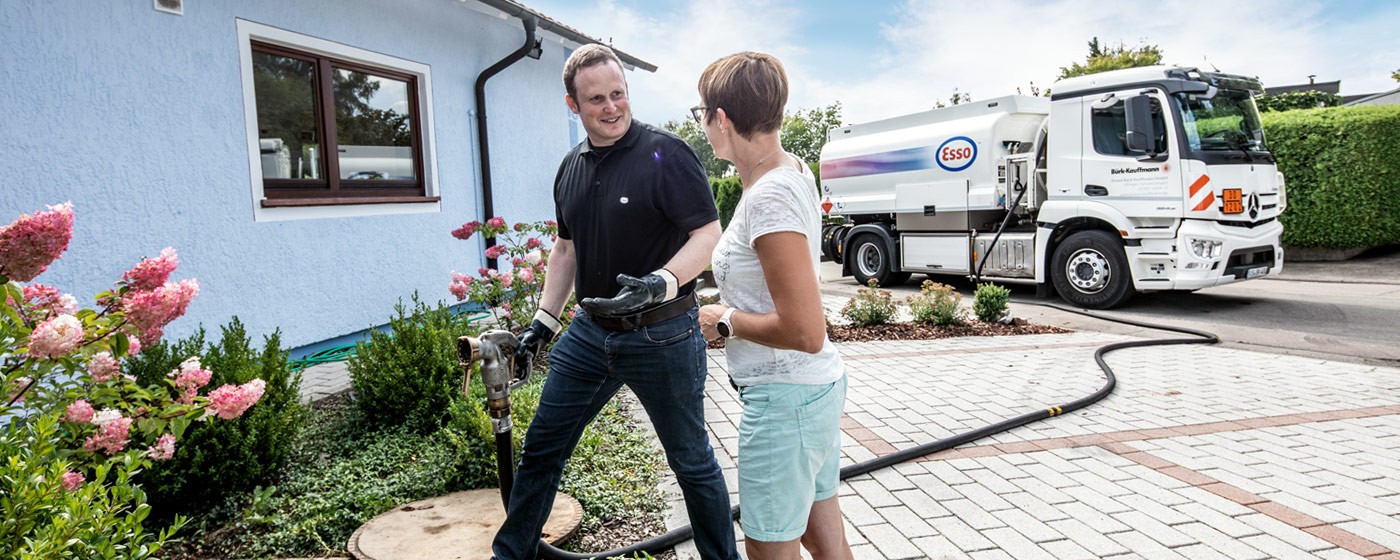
(724, 327)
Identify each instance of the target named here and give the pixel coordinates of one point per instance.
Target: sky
(883, 58)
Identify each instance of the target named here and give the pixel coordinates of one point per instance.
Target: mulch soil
(924, 331)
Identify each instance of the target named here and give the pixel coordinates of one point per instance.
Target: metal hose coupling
(495, 349)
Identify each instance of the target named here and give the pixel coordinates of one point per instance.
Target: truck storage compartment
(940, 253)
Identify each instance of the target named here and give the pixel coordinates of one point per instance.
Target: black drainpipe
(487, 204)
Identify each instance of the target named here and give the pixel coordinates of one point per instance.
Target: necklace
(763, 159)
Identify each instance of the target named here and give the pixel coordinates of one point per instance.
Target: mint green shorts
(789, 455)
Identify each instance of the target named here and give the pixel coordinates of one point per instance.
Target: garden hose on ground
(676, 536)
(346, 351)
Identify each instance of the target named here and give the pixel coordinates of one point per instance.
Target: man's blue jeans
(664, 366)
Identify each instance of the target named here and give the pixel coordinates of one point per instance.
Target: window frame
(289, 199)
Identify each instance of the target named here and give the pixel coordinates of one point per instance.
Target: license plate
(1234, 201)
(1256, 272)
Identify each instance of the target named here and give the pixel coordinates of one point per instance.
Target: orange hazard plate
(1234, 201)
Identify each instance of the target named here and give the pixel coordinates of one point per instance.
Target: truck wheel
(1090, 270)
(870, 259)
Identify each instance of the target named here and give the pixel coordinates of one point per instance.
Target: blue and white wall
(137, 116)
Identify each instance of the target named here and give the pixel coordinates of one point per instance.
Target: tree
(958, 98)
(1395, 75)
(1112, 58)
(693, 135)
(804, 134)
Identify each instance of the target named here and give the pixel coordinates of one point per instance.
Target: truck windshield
(1228, 121)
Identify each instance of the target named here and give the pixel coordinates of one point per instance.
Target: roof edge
(510, 8)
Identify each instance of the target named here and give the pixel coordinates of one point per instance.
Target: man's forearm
(694, 256)
(559, 277)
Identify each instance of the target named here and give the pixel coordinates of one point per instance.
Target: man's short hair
(586, 56)
(751, 87)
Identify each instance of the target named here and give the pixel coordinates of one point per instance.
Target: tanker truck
(1136, 180)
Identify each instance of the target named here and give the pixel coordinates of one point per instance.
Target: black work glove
(533, 340)
(637, 294)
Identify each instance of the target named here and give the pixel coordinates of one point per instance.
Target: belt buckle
(631, 322)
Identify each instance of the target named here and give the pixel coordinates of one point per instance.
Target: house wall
(137, 117)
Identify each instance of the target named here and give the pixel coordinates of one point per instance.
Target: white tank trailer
(1143, 179)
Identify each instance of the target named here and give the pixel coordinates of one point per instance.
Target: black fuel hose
(679, 535)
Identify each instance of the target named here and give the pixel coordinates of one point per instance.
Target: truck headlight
(1204, 248)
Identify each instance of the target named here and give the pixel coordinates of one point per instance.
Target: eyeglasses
(698, 112)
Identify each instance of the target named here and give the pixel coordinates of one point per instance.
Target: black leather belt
(651, 316)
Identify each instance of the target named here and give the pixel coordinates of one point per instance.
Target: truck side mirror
(1138, 110)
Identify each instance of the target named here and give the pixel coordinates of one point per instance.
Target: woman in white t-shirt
(790, 377)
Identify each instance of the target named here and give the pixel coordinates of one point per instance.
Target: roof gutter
(488, 208)
(514, 9)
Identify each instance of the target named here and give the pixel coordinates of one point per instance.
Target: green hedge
(727, 192)
(1342, 176)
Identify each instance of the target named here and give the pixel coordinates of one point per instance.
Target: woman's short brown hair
(588, 55)
(751, 87)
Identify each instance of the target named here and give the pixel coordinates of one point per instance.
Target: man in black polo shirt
(637, 223)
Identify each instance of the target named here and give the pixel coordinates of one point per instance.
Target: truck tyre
(1090, 270)
(871, 259)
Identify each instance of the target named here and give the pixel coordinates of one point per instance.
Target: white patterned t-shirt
(784, 199)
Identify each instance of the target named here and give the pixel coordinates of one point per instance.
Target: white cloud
(987, 48)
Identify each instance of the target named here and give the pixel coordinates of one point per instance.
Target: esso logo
(956, 153)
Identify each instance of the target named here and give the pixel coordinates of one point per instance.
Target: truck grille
(1250, 225)
(1242, 260)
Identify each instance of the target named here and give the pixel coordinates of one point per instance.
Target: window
(334, 126)
(1110, 130)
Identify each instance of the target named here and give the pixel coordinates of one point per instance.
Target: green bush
(40, 518)
(870, 306)
(727, 192)
(1294, 100)
(989, 302)
(1343, 179)
(938, 304)
(408, 376)
(216, 459)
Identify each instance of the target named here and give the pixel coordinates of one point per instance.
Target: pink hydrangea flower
(520, 226)
(482, 271)
(133, 346)
(103, 367)
(229, 402)
(189, 377)
(163, 449)
(465, 232)
(56, 337)
(526, 275)
(506, 280)
(495, 251)
(113, 433)
(31, 243)
(150, 274)
(151, 310)
(534, 257)
(79, 411)
(533, 243)
(47, 301)
(73, 480)
(496, 222)
(517, 262)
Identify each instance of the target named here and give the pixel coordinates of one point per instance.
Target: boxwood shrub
(1343, 179)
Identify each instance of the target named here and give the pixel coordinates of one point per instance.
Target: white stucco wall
(137, 117)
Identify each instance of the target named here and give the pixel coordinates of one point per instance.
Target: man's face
(602, 103)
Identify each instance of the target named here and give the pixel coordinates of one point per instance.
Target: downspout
(488, 208)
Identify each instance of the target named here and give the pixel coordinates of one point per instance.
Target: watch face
(723, 328)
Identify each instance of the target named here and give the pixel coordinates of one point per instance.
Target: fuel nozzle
(495, 349)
